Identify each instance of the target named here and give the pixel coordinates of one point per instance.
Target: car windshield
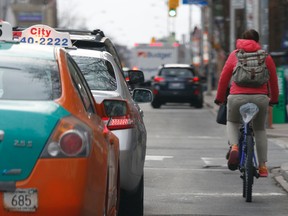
(179, 72)
(98, 72)
(28, 79)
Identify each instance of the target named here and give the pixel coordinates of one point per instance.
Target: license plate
(176, 86)
(23, 200)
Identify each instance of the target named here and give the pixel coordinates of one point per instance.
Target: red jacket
(226, 74)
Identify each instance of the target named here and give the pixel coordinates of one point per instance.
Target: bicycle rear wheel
(249, 169)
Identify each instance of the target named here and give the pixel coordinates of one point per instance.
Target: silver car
(107, 82)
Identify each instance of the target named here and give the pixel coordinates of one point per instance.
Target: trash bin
(279, 110)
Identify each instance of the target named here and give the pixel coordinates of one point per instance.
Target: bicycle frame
(247, 130)
(248, 162)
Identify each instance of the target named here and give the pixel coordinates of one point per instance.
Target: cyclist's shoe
(263, 171)
(233, 160)
(228, 153)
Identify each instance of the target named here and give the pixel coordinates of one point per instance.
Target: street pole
(210, 48)
(190, 56)
(264, 24)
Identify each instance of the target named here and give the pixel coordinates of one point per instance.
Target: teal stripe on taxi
(26, 126)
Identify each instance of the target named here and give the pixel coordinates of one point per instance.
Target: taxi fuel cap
(5, 31)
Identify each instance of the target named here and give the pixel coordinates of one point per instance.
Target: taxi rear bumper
(64, 187)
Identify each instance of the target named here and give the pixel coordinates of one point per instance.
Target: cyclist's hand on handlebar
(273, 103)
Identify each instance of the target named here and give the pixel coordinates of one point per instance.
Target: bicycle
(248, 161)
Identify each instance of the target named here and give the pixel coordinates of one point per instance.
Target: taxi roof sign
(44, 35)
(5, 31)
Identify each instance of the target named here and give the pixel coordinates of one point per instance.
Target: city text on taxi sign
(45, 35)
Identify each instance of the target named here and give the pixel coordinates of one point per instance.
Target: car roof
(176, 65)
(93, 39)
(91, 53)
(28, 50)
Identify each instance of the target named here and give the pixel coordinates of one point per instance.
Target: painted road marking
(214, 162)
(219, 195)
(157, 157)
(185, 137)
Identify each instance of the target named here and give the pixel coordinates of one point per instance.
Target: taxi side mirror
(112, 108)
(115, 108)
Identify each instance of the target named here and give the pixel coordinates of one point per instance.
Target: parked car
(57, 156)
(177, 83)
(95, 40)
(106, 82)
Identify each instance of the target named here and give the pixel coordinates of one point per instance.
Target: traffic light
(172, 7)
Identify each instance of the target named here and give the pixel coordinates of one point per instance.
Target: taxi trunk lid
(24, 130)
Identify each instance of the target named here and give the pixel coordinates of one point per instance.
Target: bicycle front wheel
(249, 169)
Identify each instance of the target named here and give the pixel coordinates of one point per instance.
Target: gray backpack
(251, 70)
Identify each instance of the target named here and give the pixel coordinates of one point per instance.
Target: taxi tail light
(117, 114)
(158, 79)
(70, 138)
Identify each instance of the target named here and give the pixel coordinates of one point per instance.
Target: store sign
(199, 2)
(238, 4)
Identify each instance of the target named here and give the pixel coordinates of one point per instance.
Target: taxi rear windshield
(177, 72)
(28, 79)
(98, 73)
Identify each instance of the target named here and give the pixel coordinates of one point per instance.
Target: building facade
(25, 13)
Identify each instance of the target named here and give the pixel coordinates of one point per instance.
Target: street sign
(238, 4)
(199, 2)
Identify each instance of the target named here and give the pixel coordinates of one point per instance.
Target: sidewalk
(279, 131)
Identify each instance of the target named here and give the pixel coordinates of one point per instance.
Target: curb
(279, 178)
(284, 170)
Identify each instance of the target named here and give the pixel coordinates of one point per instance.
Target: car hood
(25, 128)
(101, 95)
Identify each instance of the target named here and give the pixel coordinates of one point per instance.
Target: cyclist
(262, 96)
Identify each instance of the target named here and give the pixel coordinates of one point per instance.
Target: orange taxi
(56, 155)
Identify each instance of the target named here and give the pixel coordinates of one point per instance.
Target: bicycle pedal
(256, 173)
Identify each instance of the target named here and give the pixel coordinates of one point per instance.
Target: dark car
(177, 83)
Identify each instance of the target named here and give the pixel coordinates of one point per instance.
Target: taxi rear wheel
(131, 204)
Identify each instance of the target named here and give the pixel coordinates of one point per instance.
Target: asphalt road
(186, 172)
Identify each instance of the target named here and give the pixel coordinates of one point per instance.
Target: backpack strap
(241, 57)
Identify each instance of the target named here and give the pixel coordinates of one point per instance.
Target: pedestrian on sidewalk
(262, 96)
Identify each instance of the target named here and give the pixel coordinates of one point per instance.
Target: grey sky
(131, 21)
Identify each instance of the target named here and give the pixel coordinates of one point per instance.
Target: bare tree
(70, 18)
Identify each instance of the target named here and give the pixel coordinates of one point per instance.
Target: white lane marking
(185, 137)
(223, 194)
(185, 169)
(214, 162)
(157, 157)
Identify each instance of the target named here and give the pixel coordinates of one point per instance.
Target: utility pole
(210, 48)
(264, 24)
(190, 55)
